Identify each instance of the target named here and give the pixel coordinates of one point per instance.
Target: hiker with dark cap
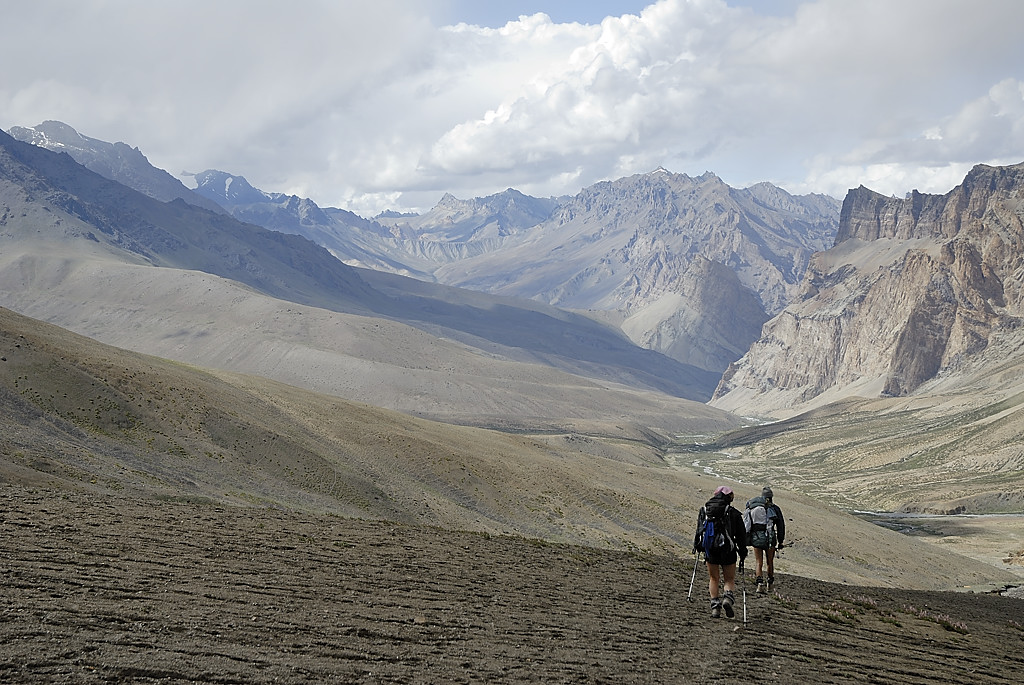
(766, 529)
(722, 539)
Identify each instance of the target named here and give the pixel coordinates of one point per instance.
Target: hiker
(766, 529)
(722, 539)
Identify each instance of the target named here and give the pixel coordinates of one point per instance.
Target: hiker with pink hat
(722, 538)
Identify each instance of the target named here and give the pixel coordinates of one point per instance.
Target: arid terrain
(82, 416)
(104, 589)
(228, 456)
(164, 523)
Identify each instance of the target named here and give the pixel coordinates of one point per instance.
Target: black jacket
(780, 524)
(737, 531)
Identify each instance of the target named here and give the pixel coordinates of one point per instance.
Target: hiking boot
(760, 586)
(771, 582)
(727, 605)
(716, 608)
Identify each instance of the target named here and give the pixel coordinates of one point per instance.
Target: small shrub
(866, 602)
(788, 603)
(838, 614)
(939, 619)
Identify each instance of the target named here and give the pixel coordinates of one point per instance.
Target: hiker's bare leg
(713, 574)
(730, 577)
(771, 562)
(759, 558)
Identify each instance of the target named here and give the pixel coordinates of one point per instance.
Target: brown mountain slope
(81, 416)
(108, 589)
(214, 323)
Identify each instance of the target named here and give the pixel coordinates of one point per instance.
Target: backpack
(759, 520)
(772, 514)
(716, 539)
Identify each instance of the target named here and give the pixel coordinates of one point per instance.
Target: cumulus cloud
(370, 106)
(837, 92)
(989, 130)
(628, 89)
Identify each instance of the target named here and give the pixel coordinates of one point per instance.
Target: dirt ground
(99, 589)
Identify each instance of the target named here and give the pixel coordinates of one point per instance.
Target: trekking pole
(696, 557)
(744, 595)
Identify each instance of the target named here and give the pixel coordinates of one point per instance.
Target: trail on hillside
(100, 589)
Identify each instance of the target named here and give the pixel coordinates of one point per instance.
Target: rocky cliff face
(707, 317)
(913, 289)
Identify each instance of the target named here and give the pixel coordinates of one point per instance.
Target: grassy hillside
(952, 450)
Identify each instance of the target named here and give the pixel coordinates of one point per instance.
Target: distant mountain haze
(638, 253)
(176, 280)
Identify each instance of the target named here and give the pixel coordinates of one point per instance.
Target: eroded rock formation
(912, 289)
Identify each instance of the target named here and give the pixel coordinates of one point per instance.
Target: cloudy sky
(376, 104)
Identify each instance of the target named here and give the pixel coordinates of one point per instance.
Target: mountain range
(312, 320)
(633, 324)
(645, 253)
(688, 267)
(693, 268)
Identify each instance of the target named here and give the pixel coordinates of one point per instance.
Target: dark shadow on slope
(295, 269)
(545, 334)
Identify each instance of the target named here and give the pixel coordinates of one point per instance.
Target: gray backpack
(759, 521)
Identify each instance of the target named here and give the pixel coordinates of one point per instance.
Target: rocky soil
(104, 589)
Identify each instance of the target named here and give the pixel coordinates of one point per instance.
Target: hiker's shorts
(723, 559)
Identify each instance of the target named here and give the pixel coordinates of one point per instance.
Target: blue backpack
(716, 538)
